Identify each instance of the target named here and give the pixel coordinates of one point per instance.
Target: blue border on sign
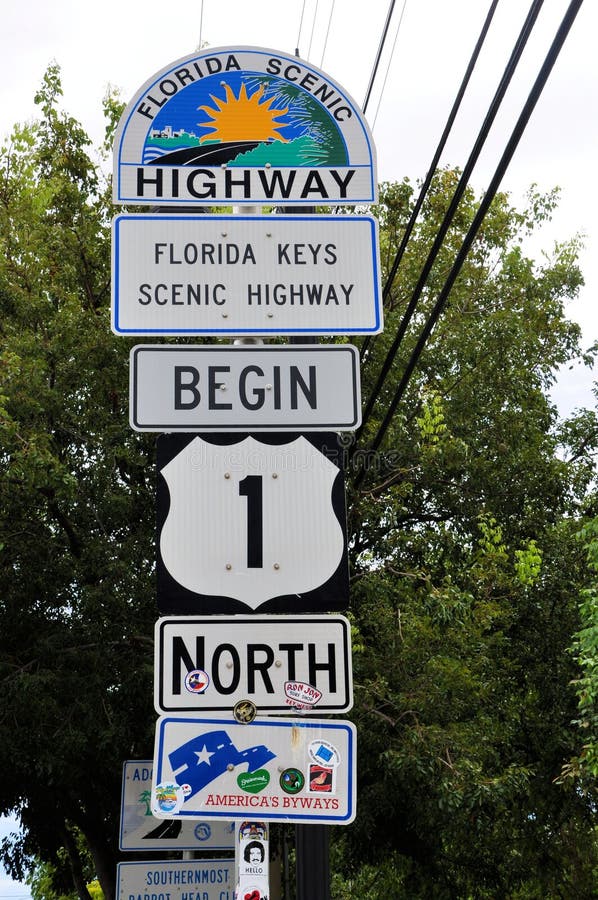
(269, 723)
(223, 332)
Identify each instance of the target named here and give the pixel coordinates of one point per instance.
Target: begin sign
(244, 388)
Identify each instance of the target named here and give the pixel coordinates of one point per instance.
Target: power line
(313, 25)
(300, 27)
(200, 24)
(378, 55)
(501, 168)
(327, 33)
(390, 58)
(432, 168)
(508, 73)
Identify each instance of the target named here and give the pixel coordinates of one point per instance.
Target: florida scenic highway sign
(279, 663)
(244, 388)
(251, 524)
(234, 125)
(235, 275)
(274, 769)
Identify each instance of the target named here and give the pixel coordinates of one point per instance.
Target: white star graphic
(204, 755)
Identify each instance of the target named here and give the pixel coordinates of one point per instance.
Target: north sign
(279, 663)
(139, 830)
(193, 879)
(244, 388)
(249, 524)
(234, 125)
(235, 275)
(272, 769)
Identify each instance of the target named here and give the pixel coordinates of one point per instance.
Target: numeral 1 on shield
(251, 487)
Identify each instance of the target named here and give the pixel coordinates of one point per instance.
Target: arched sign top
(243, 125)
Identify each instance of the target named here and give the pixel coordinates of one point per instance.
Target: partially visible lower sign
(139, 830)
(279, 663)
(206, 879)
(289, 770)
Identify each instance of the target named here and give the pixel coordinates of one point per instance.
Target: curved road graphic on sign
(209, 154)
(167, 829)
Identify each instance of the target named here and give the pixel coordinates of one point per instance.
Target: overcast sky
(123, 42)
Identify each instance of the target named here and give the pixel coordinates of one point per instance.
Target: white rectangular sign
(243, 275)
(139, 830)
(206, 879)
(244, 388)
(279, 663)
(274, 769)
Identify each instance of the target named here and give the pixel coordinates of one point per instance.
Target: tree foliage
(466, 570)
(76, 500)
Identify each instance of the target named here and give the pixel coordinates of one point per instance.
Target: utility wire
(300, 27)
(313, 26)
(378, 55)
(200, 25)
(390, 58)
(456, 199)
(327, 33)
(431, 170)
(501, 168)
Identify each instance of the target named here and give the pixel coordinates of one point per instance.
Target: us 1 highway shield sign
(247, 524)
(207, 664)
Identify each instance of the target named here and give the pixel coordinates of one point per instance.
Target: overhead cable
(501, 168)
(378, 55)
(200, 25)
(313, 25)
(327, 33)
(456, 199)
(431, 170)
(390, 58)
(300, 27)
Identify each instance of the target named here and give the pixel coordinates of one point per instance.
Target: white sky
(123, 42)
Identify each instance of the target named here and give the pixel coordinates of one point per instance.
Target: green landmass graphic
(303, 151)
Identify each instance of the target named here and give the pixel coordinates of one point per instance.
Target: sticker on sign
(279, 663)
(290, 770)
(235, 275)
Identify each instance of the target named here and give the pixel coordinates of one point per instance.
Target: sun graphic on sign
(242, 118)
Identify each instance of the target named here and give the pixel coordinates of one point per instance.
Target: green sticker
(292, 781)
(253, 782)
